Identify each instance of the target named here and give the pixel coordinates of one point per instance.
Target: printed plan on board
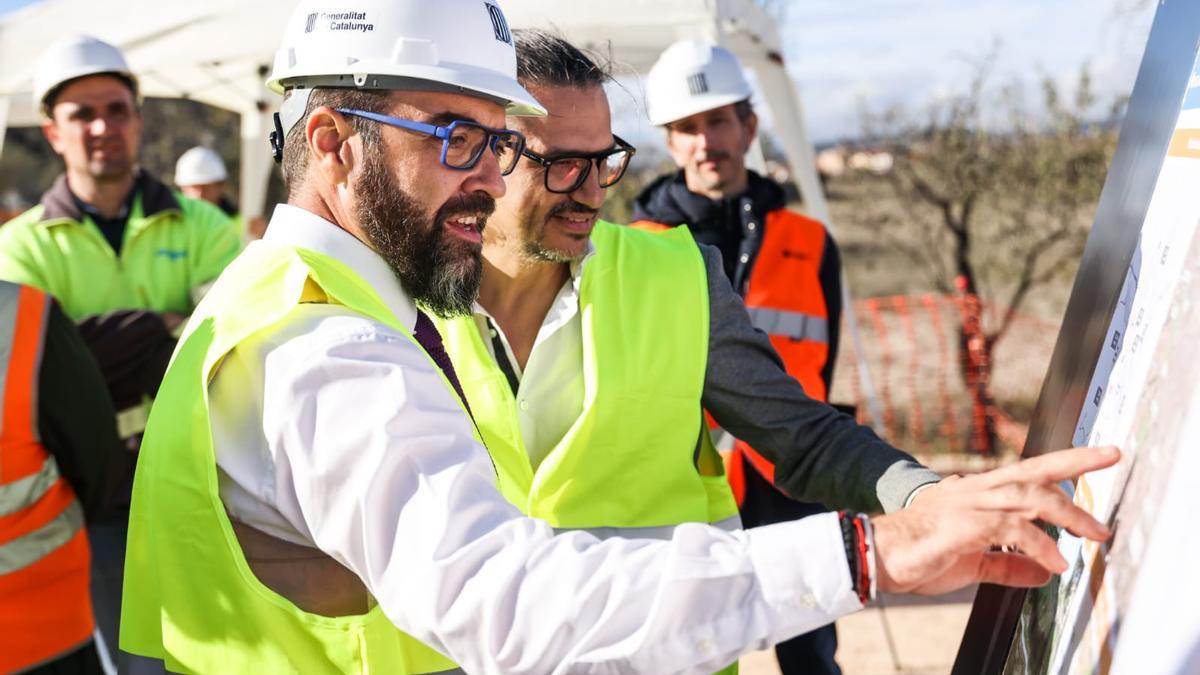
(1142, 397)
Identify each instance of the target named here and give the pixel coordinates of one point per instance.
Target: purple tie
(431, 341)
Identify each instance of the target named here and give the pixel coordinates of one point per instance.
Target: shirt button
(524, 405)
(751, 225)
(704, 647)
(745, 258)
(808, 600)
(492, 332)
(746, 207)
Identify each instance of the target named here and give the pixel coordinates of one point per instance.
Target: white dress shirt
(334, 431)
(550, 388)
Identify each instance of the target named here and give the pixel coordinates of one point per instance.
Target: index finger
(1054, 466)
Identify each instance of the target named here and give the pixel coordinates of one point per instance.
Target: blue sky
(883, 53)
(9, 5)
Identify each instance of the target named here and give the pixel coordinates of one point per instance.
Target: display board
(1126, 372)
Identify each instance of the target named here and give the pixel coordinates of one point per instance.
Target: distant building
(836, 161)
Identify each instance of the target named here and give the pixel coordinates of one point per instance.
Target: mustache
(477, 203)
(716, 155)
(571, 206)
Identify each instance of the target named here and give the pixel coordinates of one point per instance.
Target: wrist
(912, 496)
(892, 566)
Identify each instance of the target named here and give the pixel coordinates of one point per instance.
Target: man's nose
(486, 177)
(590, 193)
(99, 126)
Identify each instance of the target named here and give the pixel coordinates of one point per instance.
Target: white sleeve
(376, 461)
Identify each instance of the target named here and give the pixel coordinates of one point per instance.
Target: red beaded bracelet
(859, 553)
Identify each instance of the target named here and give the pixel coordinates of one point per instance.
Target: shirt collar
(294, 226)
(149, 194)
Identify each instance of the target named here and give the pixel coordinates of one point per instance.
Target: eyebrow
(106, 105)
(445, 118)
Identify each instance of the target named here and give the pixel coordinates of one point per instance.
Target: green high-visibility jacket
(172, 247)
(191, 602)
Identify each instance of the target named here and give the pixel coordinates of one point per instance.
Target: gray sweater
(820, 455)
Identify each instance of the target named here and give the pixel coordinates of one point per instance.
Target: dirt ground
(925, 634)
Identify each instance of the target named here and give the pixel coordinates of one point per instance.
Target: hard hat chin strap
(291, 111)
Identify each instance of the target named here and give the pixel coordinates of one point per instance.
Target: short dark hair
(295, 146)
(547, 60)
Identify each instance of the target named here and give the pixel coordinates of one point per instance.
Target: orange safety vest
(786, 301)
(45, 606)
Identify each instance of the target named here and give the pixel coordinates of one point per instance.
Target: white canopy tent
(219, 51)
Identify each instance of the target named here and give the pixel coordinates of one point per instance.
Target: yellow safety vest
(637, 461)
(191, 601)
(631, 461)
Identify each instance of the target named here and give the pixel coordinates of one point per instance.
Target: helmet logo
(338, 21)
(697, 84)
(499, 25)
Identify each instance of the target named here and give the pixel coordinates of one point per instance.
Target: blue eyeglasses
(463, 142)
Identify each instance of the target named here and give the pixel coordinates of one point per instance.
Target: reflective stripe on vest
(191, 600)
(23, 492)
(45, 608)
(794, 325)
(26, 550)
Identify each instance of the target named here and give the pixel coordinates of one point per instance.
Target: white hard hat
(199, 166)
(693, 76)
(76, 56)
(445, 45)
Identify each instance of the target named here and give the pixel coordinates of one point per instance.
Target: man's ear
(328, 134)
(50, 132)
(751, 123)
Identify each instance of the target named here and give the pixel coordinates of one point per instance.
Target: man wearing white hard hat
(200, 174)
(785, 265)
(312, 494)
(123, 253)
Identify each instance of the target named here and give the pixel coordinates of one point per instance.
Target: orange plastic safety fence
(932, 369)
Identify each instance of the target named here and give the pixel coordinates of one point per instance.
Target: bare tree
(995, 202)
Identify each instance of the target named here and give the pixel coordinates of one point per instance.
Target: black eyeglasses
(463, 142)
(565, 172)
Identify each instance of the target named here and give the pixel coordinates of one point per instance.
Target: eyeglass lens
(467, 141)
(568, 173)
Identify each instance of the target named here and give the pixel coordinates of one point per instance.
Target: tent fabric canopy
(219, 52)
